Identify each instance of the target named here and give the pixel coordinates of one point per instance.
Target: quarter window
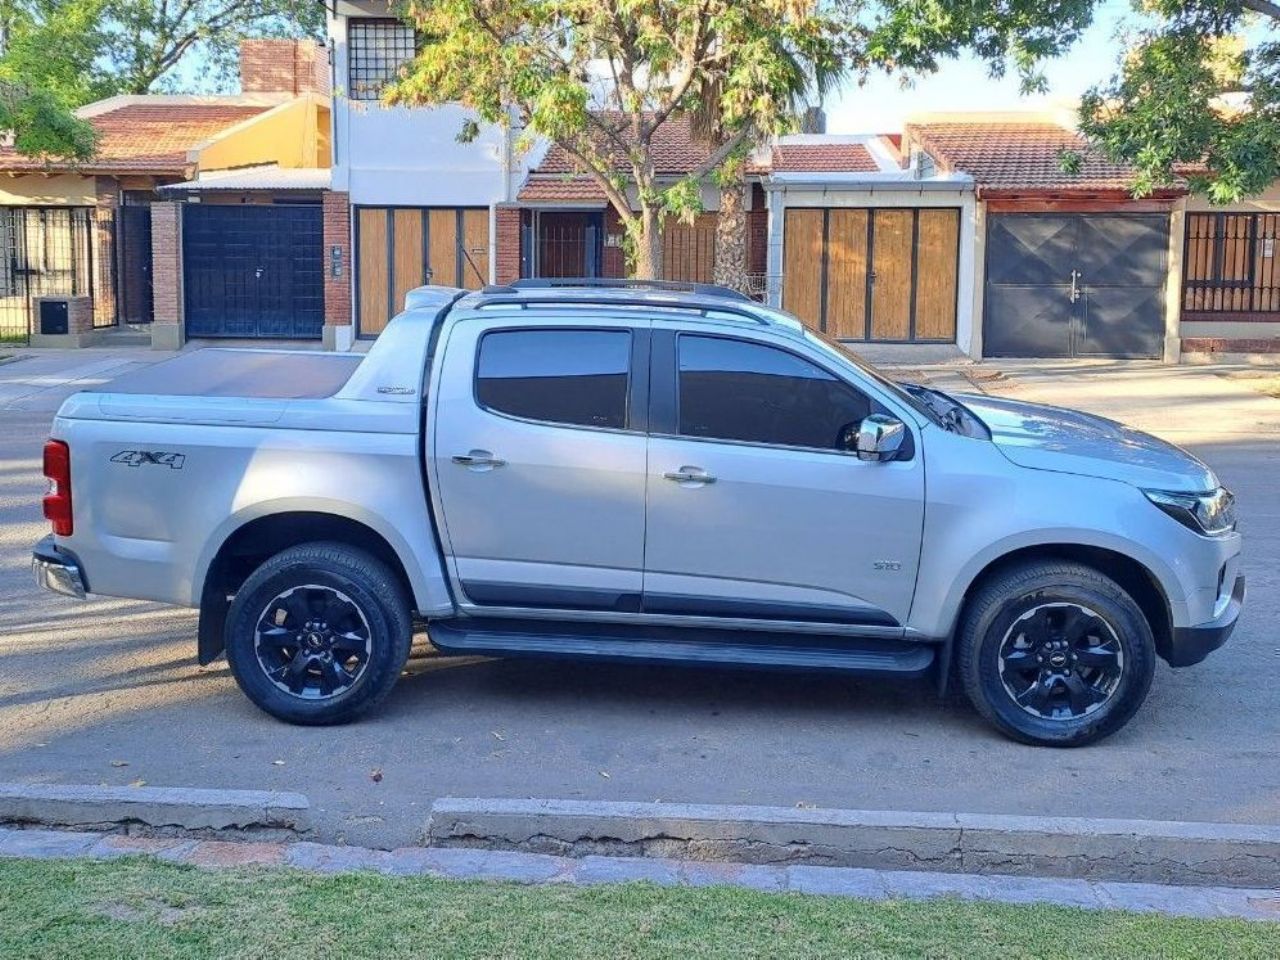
(735, 390)
(562, 376)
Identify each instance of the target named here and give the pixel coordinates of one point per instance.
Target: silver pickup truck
(642, 474)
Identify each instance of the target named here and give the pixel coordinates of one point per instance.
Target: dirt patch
(147, 911)
(1264, 383)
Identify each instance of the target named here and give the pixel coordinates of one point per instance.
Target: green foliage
(1192, 100)
(601, 77)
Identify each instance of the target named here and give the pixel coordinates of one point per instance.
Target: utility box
(53, 317)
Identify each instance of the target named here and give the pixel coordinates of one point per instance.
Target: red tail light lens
(57, 502)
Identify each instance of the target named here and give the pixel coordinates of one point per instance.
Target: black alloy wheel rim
(1060, 661)
(313, 642)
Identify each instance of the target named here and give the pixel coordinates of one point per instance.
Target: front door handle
(478, 459)
(1075, 285)
(689, 475)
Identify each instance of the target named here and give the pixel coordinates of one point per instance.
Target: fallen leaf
(498, 736)
(803, 805)
(376, 775)
(605, 774)
(277, 763)
(119, 763)
(138, 783)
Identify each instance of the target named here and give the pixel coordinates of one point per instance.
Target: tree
(601, 77)
(1194, 97)
(60, 54)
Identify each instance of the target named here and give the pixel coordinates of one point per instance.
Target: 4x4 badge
(136, 458)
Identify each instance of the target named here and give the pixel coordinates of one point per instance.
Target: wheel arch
(1133, 576)
(256, 539)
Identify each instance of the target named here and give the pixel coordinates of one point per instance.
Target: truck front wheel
(319, 634)
(1055, 653)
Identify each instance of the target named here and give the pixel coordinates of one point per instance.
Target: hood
(1041, 437)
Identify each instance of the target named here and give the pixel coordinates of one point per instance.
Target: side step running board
(506, 638)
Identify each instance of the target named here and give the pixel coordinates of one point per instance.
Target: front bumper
(1190, 645)
(57, 569)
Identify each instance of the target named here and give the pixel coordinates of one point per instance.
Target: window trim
(637, 393)
(664, 417)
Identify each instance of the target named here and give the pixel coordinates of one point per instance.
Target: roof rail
(671, 286)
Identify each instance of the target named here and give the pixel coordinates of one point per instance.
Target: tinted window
(733, 390)
(564, 376)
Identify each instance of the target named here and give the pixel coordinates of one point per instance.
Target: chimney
(269, 65)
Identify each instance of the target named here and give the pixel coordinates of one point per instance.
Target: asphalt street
(108, 691)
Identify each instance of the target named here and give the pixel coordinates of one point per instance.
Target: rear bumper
(57, 569)
(1190, 645)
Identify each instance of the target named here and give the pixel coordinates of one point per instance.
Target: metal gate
(44, 251)
(253, 270)
(1075, 285)
(133, 243)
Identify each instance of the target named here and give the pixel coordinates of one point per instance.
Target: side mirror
(880, 437)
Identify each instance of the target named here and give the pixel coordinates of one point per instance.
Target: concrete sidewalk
(40, 380)
(1207, 902)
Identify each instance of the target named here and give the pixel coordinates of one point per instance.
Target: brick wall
(284, 66)
(507, 265)
(166, 261)
(337, 233)
(758, 232)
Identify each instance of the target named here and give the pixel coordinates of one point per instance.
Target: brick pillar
(508, 244)
(338, 271)
(758, 232)
(167, 329)
(614, 266)
(104, 250)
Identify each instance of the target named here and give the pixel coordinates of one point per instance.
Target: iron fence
(49, 251)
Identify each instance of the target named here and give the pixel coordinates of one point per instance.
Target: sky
(882, 105)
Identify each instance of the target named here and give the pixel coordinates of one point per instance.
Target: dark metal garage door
(253, 271)
(1075, 285)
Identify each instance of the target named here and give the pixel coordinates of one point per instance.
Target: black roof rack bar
(493, 296)
(672, 286)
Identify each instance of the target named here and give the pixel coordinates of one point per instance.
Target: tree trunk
(731, 237)
(647, 245)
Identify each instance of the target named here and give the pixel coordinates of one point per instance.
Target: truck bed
(244, 374)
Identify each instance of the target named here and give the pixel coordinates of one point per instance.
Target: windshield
(837, 351)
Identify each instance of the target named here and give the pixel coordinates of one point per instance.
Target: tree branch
(1264, 7)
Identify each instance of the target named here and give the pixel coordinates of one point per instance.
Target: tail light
(57, 502)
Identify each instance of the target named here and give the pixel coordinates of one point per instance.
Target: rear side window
(735, 390)
(576, 377)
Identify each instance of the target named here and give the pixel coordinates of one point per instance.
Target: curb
(189, 809)
(540, 869)
(1146, 851)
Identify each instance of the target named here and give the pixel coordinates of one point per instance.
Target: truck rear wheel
(319, 634)
(1055, 654)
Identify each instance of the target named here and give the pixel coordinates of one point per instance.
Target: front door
(538, 463)
(1075, 285)
(754, 510)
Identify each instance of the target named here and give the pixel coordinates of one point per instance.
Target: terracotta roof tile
(561, 189)
(675, 152)
(146, 137)
(823, 158)
(1022, 155)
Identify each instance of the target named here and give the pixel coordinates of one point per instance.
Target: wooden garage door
(887, 274)
(399, 248)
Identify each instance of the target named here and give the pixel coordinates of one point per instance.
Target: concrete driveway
(108, 691)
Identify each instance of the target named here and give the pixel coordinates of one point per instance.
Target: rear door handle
(478, 458)
(690, 475)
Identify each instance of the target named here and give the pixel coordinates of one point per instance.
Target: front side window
(736, 390)
(376, 50)
(575, 377)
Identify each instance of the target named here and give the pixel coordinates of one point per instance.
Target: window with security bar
(1230, 263)
(376, 50)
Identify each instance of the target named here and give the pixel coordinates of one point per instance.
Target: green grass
(142, 908)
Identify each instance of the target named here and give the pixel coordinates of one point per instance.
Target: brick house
(83, 233)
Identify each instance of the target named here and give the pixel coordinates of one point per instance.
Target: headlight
(1211, 514)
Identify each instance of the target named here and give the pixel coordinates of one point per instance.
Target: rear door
(538, 460)
(753, 511)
